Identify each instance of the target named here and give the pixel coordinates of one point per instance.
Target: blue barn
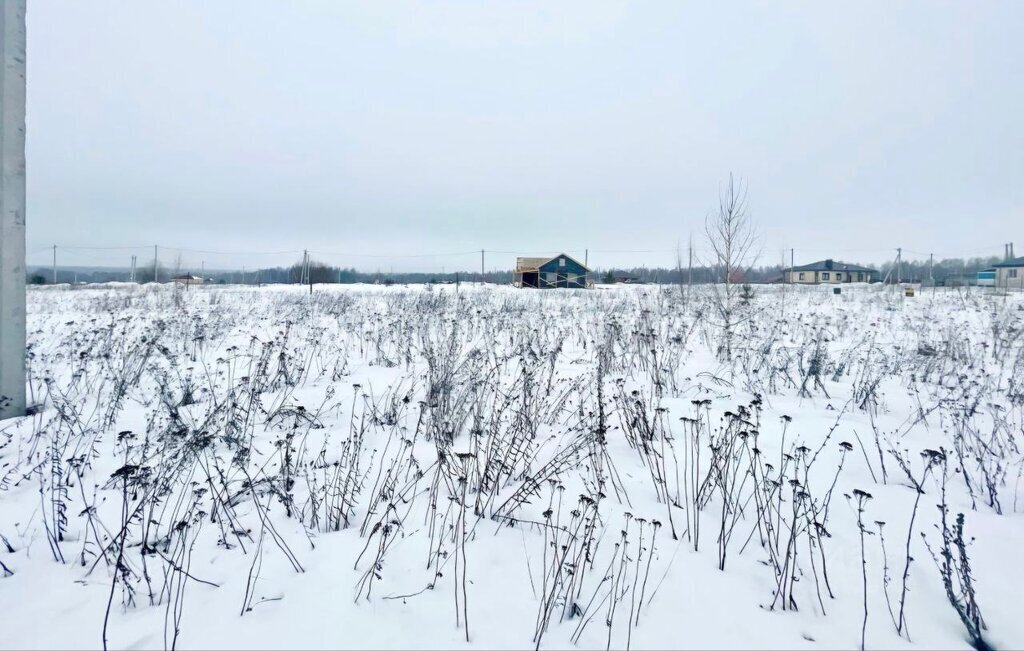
(544, 273)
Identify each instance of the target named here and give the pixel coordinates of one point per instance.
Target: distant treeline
(913, 271)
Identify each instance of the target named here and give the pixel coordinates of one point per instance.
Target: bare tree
(312, 271)
(679, 275)
(732, 240)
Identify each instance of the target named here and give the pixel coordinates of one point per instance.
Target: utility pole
(131, 278)
(481, 265)
(931, 276)
(309, 276)
(54, 264)
(689, 270)
(202, 269)
(679, 273)
(156, 264)
(12, 208)
(782, 267)
(792, 265)
(899, 266)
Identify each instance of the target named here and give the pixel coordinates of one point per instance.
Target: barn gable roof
(534, 264)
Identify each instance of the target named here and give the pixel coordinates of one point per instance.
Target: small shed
(986, 277)
(561, 271)
(187, 279)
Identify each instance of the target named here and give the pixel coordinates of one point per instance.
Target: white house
(830, 271)
(1010, 273)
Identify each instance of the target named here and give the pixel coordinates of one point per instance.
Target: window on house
(550, 277)
(824, 275)
(801, 275)
(860, 275)
(839, 275)
(561, 262)
(571, 279)
(1013, 273)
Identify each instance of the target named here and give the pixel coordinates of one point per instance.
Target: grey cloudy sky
(404, 128)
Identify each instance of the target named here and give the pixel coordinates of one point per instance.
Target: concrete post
(12, 208)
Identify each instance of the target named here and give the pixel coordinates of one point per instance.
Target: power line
(105, 248)
(175, 248)
(184, 250)
(987, 251)
(400, 255)
(101, 253)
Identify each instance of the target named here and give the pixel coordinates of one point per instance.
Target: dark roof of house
(533, 264)
(1013, 262)
(833, 265)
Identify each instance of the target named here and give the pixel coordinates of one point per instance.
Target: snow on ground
(484, 467)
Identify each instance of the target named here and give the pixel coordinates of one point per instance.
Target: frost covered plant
(747, 294)
(954, 567)
(931, 459)
(861, 499)
(409, 430)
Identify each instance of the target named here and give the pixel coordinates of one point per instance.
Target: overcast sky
(396, 129)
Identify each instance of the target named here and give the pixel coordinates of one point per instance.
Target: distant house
(831, 271)
(623, 279)
(187, 279)
(561, 271)
(1010, 273)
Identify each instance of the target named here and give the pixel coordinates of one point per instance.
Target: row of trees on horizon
(319, 273)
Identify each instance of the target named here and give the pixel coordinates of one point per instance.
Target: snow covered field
(374, 467)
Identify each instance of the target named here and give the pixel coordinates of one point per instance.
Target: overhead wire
(92, 251)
